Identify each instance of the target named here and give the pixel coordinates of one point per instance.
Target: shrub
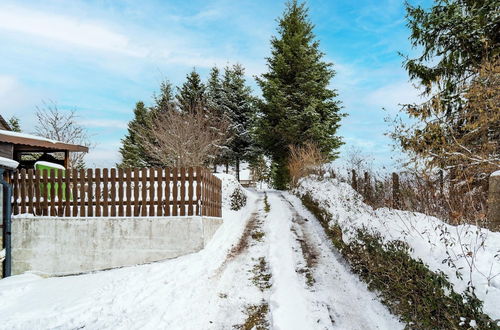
(421, 298)
(305, 160)
(238, 199)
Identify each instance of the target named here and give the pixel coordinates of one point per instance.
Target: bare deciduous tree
(63, 126)
(184, 139)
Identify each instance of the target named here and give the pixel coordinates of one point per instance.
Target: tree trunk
(238, 169)
(227, 167)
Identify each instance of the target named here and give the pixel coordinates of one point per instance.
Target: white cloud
(15, 97)
(104, 123)
(392, 95)
(67, 30)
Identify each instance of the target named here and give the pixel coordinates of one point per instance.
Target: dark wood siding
(6, 150)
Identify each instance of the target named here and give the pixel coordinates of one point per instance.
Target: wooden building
(14, 145)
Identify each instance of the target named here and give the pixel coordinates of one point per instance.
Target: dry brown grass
(305, 160)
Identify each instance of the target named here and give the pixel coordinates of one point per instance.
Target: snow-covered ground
(280, 260)
(473, 251)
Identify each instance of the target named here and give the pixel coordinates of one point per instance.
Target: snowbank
(464, 253)
(8, 163)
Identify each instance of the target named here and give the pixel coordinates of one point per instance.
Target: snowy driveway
(274, 268)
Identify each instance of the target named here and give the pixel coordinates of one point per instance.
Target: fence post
(354, 181)
(395, 190)
(494, 202)
(367, 187)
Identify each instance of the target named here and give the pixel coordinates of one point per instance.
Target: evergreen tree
(214, 91)
(15, 124)
(192, 93)
(214, 104)
(239, 105)
(132, 150)
(164, 101)
(459, 44)
(298, 106)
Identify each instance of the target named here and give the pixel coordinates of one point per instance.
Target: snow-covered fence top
(117, 192)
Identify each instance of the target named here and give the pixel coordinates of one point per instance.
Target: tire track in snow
(342, 301)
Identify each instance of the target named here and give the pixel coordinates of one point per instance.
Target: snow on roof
(27, 136)
(497, 173)
(38, 141)
(8, 163)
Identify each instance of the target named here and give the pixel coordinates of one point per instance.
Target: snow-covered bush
(229, 186)
(238, 199)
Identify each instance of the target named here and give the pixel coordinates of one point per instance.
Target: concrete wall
(58, 245)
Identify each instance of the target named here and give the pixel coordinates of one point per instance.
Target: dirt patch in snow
(257, 318)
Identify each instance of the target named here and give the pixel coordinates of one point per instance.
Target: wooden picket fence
(117, 192)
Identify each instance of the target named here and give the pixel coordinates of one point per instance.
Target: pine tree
(132, 151)
(15, 124)
(214, 91)
(298, 106)
(214, 104)
(192, 93)
(239, 105)
(459, 45)
(164, 101)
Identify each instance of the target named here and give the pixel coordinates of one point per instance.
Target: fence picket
(30, 192)
(22, 186)
(74, 179)
(105, 192)
(97, 193)
(52, 193)
(90, 196)
(112, 192)
(136, 192)
(174, 192)
(190, 191)
(128, 190)
(151, 197)
(38, 206)
(167, 192)
(159, 191)
(59, 210)
(81, 177)
(144, 211)
(67, 194)
(120, 192)
(183, 192)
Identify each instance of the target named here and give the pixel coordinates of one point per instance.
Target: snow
(49, 164)
(496, 173)
(8, 163)
(473, 250)
(288, 303)
(27, 136)
(211, 289)
(172, 294)
(338, 299)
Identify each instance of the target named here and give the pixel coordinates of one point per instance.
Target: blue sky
(101, 57)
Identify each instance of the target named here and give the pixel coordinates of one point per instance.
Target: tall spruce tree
(214, 91)
(165, 101)
(132, 151)
(192, 93)
(214, 104)
(298, 106)
(239, 105)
